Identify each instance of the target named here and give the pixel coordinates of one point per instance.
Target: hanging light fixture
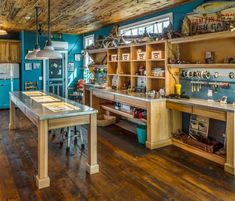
(49, 52)
(33, 55)
(3, 32)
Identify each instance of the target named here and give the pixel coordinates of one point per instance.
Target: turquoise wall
(27, 43)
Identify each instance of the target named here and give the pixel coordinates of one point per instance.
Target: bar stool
(67, 134)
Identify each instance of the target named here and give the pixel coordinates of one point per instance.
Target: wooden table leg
(12, 124)
(92, 166)
(42, 179)
(229, 166)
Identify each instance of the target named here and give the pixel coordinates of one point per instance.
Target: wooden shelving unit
(192, 50)
(127, 70)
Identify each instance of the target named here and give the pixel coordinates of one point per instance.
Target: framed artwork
(71, 66)
(77, 57)
(36, 65)
(28, 66)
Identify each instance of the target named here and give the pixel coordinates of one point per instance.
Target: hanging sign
(200, 23)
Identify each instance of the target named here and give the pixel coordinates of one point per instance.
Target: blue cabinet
(7, 86)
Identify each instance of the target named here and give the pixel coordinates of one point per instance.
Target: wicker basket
(105, 120)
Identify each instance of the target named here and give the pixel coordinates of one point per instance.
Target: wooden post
(158, 133)
(92, 166)
(12, 124)
(42, 179)
(229, 166)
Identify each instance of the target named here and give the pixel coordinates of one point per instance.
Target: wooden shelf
(95, 51)
(124, 61)
(202, 65)
(138, 60)
(112, 109)
(124, 75)
(111, 74)
(203, 37)
(97, 66)
(156, 59)
(139, 76)
(210, 156)
(112, 61)
(154, 77)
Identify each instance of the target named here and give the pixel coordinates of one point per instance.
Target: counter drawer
(179, 107)
(103, 95)
(131, 101)
(210, 113)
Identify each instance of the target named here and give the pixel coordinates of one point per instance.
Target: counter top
(191, 101)
(41, 112)
(204, 103)
(136, 96)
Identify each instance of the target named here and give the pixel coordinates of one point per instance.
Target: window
(87, 41)
(153, 25)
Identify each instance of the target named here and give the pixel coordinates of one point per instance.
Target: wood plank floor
(128, 171)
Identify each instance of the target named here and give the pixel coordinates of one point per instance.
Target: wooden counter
(158, 134)
(43, 111)
(213, 110)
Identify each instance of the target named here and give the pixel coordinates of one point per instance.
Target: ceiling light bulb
(3, 32)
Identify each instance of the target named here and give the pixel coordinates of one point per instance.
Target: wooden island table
(48, 112)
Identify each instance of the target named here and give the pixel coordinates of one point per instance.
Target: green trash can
(141, 133)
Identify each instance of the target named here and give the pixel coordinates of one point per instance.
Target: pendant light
(3, 32)
(49, 52)
(33, 55)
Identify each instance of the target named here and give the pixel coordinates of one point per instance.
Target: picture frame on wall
(77, 57)
(71, 66)
(36, 65)
(28, 66)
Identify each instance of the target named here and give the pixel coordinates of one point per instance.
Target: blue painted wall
(218, 93)
(27, 43)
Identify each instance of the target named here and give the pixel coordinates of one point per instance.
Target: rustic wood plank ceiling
(76, 16)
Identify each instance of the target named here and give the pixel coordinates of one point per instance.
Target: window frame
(87, 57)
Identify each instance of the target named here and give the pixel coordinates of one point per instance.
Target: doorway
(55, 75)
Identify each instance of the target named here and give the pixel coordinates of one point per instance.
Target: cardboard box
(158, 54)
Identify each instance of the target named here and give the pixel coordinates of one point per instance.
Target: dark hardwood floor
(128, 171)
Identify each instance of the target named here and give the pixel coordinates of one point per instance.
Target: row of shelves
(140, 68)
(125, 82)
(144, 52)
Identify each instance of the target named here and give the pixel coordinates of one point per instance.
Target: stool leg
(81, 137)
(75, 135)
(68, 139)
